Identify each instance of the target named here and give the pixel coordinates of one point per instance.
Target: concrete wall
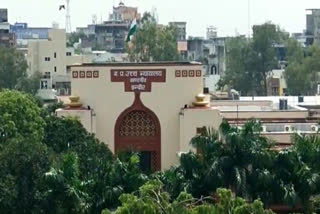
(191, 119)
(85, 116)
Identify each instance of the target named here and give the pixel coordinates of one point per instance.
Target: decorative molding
(178, 73)
(75, 74)
(95, 74)
(82, 74)
(188, 73)
(89, 74)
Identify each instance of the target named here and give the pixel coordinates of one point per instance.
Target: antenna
(249, 20)
(68, 17)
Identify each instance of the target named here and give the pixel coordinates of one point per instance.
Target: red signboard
(138, 80)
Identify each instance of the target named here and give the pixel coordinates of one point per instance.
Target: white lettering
(138, 80)
(139, 87)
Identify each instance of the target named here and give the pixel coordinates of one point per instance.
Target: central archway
(138, 129)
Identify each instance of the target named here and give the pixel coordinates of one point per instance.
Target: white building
(51, 58)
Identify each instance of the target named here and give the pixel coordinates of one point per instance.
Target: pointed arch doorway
(138, 129)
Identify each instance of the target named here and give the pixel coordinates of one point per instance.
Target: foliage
(12, 67)
(65, 192)
(19, 117)
(302, 73)
(252, 60)
(152, 199)
(53, 165)
(74, 38)
(29, 84)
(153, 43)
(22, 164)
(229, 158)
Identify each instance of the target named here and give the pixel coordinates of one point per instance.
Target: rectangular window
(55, 68)
(44, 84)
(68, 53)
(201, 130)
(47, 59)
(55, 55)
(47, 75)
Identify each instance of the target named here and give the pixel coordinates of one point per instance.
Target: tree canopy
(250, 61)
(53, 165)
(302, 72)
(12, 67)
(153, 42)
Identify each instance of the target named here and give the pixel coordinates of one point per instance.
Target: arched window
(137, 124)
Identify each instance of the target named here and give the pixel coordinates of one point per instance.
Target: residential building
(277, 85)
(7, 39)
(123, 13)
(313, 26)
(110, 36)
(24, 33)
(211, 52)
(51, 58)
(300, 37)
(181, 30)
(104, 56)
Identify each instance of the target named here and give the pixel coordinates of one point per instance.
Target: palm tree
(229, 158)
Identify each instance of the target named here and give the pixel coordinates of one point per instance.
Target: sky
(229, 16)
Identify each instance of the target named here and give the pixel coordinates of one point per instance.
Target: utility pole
(249, 19)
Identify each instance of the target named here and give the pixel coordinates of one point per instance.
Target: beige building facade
(139, 106)
(157, 108)
(51, 58)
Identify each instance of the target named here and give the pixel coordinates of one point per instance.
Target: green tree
(240, 73)
(19, 117)
(23, 164)
(265, 37)
(153, 43)
(302, 73)
(65, 192)
(29, 84)
(250, 61)
(74, 38)
(12, 67)
(152, 199)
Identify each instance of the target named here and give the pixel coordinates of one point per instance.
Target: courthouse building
(156, 109)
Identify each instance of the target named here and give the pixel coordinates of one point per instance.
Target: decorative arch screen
(137, 124)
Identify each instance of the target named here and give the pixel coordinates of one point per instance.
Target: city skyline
(228, 16)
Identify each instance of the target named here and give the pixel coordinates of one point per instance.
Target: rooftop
(126, 64)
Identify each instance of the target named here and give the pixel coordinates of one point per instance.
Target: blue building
(23, 32)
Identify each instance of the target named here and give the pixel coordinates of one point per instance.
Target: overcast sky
(229, 16)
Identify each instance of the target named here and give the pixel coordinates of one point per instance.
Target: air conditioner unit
(288, 128)
(264, 128)
(314, 128)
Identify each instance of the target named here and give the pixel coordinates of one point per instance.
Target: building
(313, 26)
(157, 108)
(110, 36)
(3, 15)
(277, 85)
(24, 34)
(211, 52)
(300, 37)
(181, 30)
(51, 58)
(104, 56)
(7, 39)
(124, 13)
